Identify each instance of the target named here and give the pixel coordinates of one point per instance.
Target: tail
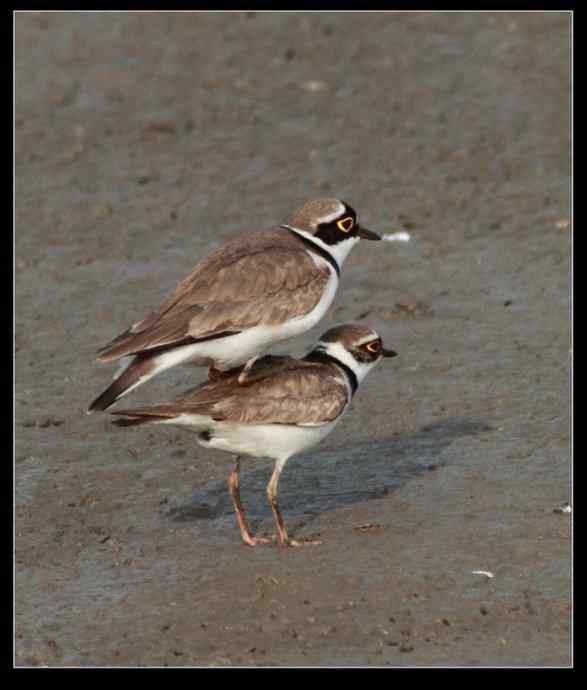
(165, 412)
(139, 419)
(141, 369)
(136, 421)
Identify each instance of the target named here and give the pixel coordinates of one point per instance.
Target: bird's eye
(345, 224)
(375, 346)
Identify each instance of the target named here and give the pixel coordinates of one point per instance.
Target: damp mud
(142, 142)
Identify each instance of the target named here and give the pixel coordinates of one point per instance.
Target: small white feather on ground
(486, 573)
(397, 237)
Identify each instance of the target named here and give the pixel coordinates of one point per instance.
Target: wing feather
(266, 278)
(291, 392)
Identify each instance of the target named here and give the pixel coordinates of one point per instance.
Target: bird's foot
(242, 377)
(254, 541)
(306, 541)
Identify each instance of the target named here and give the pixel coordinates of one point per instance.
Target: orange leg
(242, 377)
(234, 490)
(282, 535)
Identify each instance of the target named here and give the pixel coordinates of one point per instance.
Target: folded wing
(261, 278)
(286, 391)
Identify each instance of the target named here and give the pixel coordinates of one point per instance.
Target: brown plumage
(252, 292)
(274, 407)
(305, 218)
(141, 367)
(347, 334)
(264, 277)
(277, 390)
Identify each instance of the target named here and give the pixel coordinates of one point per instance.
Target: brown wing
(261, 278)
(201, 398)
(213, 390)
(286, 392)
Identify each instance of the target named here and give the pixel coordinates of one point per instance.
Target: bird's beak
(388, 353)
(365, 234)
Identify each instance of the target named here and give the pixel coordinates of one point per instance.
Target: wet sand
(142, 141)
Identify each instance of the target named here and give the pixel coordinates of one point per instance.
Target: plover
(253, 291)
(284, 406)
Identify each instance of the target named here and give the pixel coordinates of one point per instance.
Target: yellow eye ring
(345, 224)
(374, 346)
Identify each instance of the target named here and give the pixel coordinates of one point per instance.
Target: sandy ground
(142, 141)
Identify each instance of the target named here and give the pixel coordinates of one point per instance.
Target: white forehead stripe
(332, 216)
(368, 338)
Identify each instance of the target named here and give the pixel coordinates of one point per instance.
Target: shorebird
(255, 290)
(284, 406)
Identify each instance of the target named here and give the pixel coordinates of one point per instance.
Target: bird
(284, 407)
(257, 289)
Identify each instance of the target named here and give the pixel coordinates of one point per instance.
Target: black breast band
(319, 355)
(316, 248)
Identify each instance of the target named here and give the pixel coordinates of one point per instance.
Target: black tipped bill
(365, 234)
(388, 353)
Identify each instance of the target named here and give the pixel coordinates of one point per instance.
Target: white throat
(339, 352)
(338, 251)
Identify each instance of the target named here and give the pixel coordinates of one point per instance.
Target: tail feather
(108, 352)
(145, 415)
(140, 368)
(133, 422)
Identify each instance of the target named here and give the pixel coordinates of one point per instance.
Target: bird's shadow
(317, 482)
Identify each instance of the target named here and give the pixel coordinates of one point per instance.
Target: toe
(254, 541)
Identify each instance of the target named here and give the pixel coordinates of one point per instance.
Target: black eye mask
(344, 226)
(336, 231)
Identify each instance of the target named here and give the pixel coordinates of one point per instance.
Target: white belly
(238, 349)
(277, 441)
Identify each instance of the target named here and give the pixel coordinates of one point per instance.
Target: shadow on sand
(314, 483)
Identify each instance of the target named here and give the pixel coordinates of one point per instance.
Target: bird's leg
(242, 377)
(234, 490)
(282, 535)
(272, 496)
